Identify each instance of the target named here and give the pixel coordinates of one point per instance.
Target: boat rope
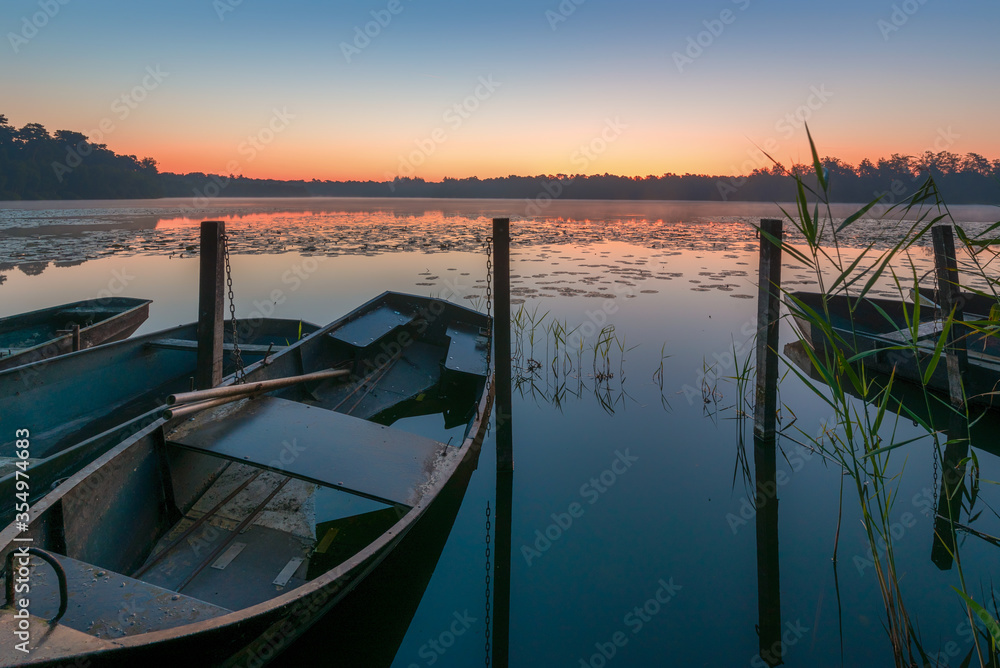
(237, 353)
(488, 588)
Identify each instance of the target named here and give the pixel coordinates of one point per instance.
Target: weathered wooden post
(505, 437)
(211, 299)
(768, 314)
(501, 337)
(77, 343)
(765, 459)
(950, 301)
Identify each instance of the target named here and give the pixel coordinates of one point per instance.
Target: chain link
(237, 353)
(488, 588)
(937, 456)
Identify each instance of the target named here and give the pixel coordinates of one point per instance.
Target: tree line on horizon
(37, 165)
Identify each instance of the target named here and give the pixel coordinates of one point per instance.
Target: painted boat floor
(240, 576)
(416, 372)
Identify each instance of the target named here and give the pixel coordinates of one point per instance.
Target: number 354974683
(22, 486)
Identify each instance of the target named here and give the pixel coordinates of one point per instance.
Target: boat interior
(74, 397)
(233, 506)
(31, 329)
(887, 319)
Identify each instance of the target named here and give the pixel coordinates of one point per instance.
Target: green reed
(864, 440)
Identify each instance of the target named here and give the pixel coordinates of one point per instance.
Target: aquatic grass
(864, 441)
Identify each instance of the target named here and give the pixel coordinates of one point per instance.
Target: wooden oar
(192, 402)
(252, 388)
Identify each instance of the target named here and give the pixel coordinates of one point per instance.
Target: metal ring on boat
(56, 566)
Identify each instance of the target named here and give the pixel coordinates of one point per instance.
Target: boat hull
(885, 351)
(128, 315)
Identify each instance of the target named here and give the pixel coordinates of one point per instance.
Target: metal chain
(488, 588)
(237, 353)
(937, 456)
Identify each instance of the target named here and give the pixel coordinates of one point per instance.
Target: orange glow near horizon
(641, 153)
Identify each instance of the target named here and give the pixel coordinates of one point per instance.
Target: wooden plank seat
(924, 331)
(372, 326)
(320, 446)
(185, 344)
(467, 350)
(109, 605)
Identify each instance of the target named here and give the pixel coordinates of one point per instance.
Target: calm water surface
(656, 471)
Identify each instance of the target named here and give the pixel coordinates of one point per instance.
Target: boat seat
(110, 605)
(924, 330)
(321, 446)
(372, 326)
(185, 344)
(90, 310)
(468, 349)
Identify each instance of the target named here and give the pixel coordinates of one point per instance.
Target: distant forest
(35, 164)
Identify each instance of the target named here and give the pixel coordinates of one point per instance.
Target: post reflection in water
(768, 580)
(949, 504)
(765, 461)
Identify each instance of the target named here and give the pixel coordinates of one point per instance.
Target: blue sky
(887, 87)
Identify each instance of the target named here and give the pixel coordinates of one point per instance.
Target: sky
(373, 89)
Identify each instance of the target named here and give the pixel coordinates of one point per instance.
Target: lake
(634, 539)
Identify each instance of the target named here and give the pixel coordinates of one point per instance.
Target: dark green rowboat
(29, 337)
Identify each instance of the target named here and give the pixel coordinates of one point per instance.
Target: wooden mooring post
(768, 314)
(505, 447)
(501, 336)
(950, 301)
(211, 299)
(765, 458)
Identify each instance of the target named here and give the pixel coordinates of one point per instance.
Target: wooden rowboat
(225, 534)
(879, 326)
(77, 405)
(29, 337)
